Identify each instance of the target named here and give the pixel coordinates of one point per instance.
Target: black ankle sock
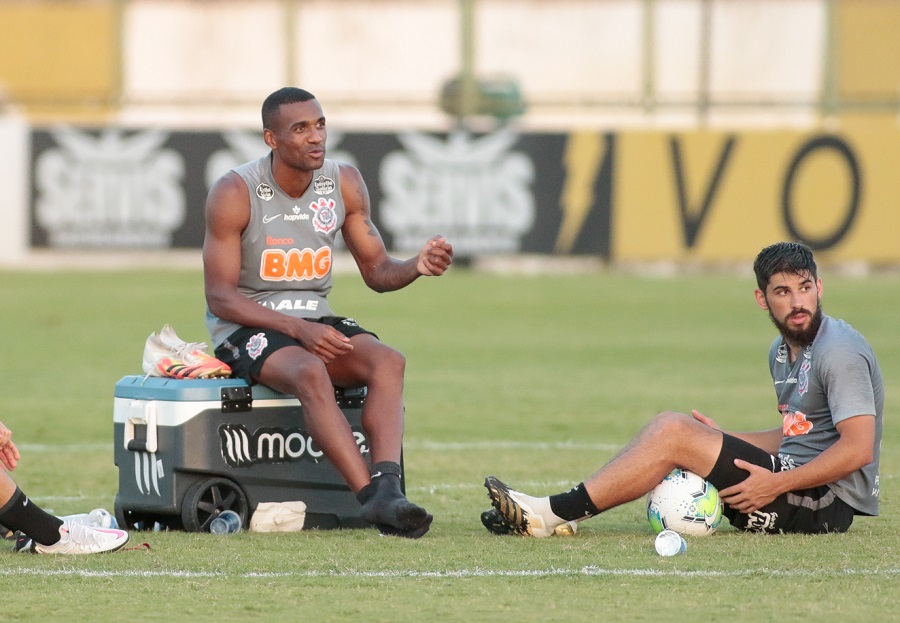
(385, 505)
(573, 504)
(25, 516)
(364, 494)
(386, 467)
(385, 477)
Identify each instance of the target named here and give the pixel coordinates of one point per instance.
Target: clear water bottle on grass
(670, 543)
(97, 518)
(228, 522)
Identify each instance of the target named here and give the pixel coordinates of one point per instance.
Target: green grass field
(536, 379)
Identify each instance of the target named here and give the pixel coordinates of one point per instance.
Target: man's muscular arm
(380, 271)
(849, 453)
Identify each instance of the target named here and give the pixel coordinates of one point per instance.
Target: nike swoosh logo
(779, 382)
(269, 219)
(376, 474)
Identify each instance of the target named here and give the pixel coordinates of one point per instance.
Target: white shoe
(192, 353)
(154, 352)
(165, 354)
(527, 515)
(76, 538)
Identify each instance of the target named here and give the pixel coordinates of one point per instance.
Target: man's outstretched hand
(435, 257)
(9, 454)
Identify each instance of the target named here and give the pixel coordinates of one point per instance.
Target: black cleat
(495, 522)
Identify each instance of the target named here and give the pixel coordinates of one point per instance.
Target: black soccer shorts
(247, 349)
(810, 511)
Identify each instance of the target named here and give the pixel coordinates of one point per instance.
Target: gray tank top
(287, 247)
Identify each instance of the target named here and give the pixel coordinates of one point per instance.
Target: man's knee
(395, 360)
(302, 372)
(679, 431)
(384, 360)
(673, 422)
(687, 441)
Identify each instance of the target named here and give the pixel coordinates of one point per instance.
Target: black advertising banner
(495, 193)
(116, 188)
(625, 196)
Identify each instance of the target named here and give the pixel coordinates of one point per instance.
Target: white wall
(14, 177)
(383, 62)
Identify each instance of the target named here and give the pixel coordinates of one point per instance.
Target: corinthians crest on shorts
(325, 220)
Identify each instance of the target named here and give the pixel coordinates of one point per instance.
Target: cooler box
(188, 449)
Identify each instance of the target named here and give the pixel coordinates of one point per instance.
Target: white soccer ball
(685, 503)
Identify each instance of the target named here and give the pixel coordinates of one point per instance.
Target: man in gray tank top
(811, 474)
(267, 257)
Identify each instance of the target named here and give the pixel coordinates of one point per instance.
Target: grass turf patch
(537, 379)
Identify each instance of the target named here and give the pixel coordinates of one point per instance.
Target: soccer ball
(685, 503)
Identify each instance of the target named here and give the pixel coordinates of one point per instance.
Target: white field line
(63, 447)
(460, 573)
(432, 446)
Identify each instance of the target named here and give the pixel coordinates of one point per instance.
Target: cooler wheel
(206, 499)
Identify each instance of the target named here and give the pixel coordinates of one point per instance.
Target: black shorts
(811, 511)
(247, 349)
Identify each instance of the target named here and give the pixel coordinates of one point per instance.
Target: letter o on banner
(846, 154)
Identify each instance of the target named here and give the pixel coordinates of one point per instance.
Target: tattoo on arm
(373, 232)
(365, 212)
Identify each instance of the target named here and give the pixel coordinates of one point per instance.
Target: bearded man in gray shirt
(812, 474)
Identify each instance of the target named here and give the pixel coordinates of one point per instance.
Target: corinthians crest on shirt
(325, 219)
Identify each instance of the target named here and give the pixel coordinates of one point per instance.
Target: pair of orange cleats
(166, 354)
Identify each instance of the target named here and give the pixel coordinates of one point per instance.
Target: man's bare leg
(670, 440)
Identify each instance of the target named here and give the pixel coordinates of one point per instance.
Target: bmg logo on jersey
(295, 264)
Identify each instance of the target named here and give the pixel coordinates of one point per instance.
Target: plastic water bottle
(97, 518)
(101, 518)
(670, 543)
(227, 522)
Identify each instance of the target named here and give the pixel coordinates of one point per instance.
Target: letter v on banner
(692, 220)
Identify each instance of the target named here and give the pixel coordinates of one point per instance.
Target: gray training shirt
(835, 378)
(287, 247)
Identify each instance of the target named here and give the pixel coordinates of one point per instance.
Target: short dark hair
(794, 258)
(284, 95)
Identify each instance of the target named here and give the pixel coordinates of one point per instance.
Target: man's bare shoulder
(228, 203)
(349, 174)
(353, 189)
(231, 182)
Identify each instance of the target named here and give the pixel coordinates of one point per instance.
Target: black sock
(573, 504)
(25, 516)
(386, 467)
(385, 505)
(385, 475)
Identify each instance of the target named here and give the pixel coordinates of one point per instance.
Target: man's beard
(800, 337)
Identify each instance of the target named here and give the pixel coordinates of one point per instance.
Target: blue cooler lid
(139, 387)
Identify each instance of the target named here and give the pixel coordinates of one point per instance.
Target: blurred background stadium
(616, 131)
